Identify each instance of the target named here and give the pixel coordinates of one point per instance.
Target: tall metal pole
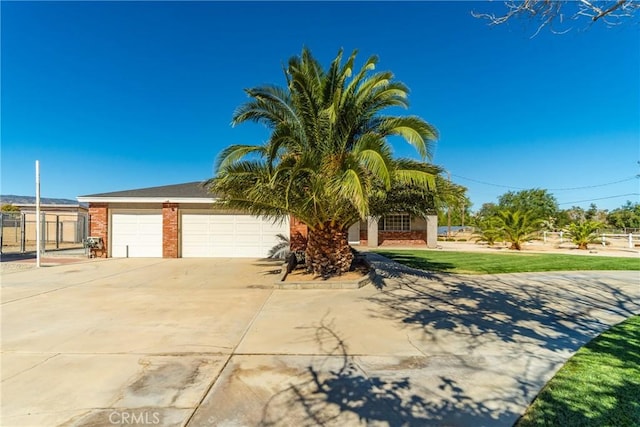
(38, 219)
(449, 209)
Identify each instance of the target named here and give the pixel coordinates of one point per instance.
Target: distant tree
(517, 227)
(591, 212)
(539, 204)
(9, 208)
(486, 211)
(562, 219)
(595, 214)
(452, 203)
(583, 233)
(627, 216)
(557, 14)
(576, 214)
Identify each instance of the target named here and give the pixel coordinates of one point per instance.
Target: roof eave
(197, 200)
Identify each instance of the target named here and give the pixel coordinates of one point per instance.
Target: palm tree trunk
(328, 252)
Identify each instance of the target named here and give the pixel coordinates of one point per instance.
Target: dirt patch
(359, 269)
(301, 276)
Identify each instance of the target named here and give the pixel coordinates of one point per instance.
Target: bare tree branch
(550, 12)
(617, 5)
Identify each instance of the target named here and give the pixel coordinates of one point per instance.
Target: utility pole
(449, 209)
(38, 219)
(463, 209)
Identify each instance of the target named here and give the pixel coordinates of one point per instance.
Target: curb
(323, 284)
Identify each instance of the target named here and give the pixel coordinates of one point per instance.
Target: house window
(396, 222)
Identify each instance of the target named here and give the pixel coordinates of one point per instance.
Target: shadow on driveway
(555, 313)
(338, 391)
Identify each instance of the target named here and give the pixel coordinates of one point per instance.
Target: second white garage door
(136, 234)
(205, 235)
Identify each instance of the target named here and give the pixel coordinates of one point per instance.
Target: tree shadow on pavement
(337, 391)
(534, 321)
(555, 311)
(556, 314)
(418, 263)
(389, 270)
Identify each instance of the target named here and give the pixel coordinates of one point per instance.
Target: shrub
(583, 233)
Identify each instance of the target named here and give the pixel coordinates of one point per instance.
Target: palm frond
(358, 81)
(415, 177)
(270, 105)
(281, 249)
(414, 130)
(351, 188)
(234, 153)
(372, 153)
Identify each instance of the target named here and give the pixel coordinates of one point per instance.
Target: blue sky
(122, 95)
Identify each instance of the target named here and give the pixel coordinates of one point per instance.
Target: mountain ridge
(22, 200)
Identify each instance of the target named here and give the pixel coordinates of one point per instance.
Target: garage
(224, 235)
(136, 234)
(178, 220)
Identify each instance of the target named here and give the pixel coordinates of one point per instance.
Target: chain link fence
(59, 231)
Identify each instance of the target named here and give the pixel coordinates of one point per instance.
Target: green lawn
(492, 263)
(598, 386)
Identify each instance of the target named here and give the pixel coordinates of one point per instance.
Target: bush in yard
(583, 233)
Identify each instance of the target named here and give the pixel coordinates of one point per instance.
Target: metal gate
(18, 231)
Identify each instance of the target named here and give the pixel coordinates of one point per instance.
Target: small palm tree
(516, 227)
(584, 232)
(328, 155)
(489, 231)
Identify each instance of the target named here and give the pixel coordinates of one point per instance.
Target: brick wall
(297, 234)
(363, 237)
(99, 225)
(402, 238)
(170, 230)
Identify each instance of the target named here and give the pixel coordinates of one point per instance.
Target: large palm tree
(328, 153)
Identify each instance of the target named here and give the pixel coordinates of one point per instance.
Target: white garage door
(205, 235)
(136, 235)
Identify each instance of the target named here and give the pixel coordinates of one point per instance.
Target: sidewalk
(23, 261)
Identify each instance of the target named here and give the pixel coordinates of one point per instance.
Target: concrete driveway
(208, 343)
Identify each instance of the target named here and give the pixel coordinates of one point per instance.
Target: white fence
(628, 240)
